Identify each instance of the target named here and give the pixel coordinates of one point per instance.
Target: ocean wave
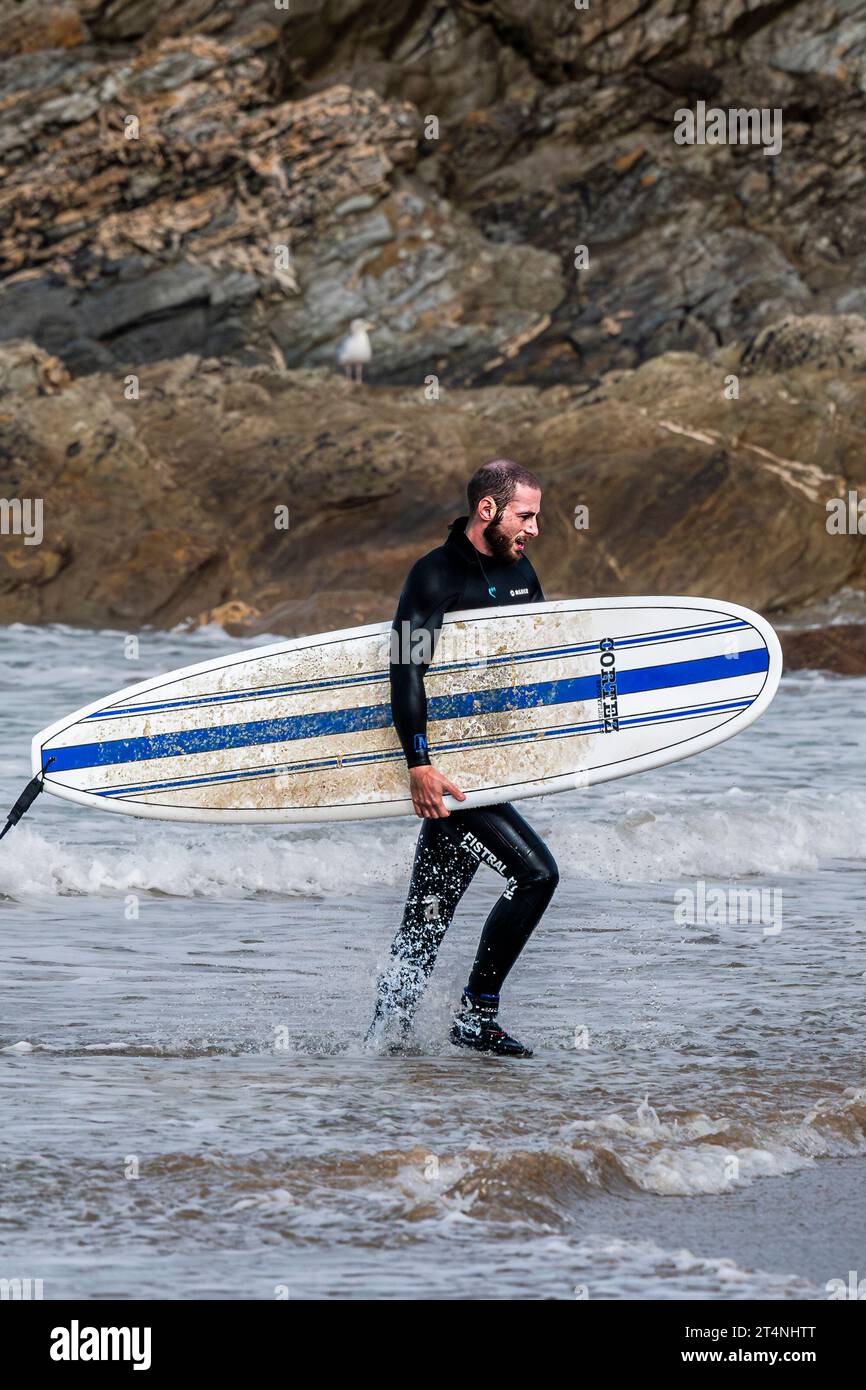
(656, 838)
(530, 1189)
(651, 839)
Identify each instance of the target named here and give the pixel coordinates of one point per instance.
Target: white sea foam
(651, 840)
(655, 838)
(618, 1268)
(215, 863)
(672, 1157)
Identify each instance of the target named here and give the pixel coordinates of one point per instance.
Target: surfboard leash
(26, 799)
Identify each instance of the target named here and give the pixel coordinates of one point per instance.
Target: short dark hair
(498, 479)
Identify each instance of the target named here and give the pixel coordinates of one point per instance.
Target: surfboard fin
(26, 799)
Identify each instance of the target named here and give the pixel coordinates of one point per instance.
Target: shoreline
(768, 1226)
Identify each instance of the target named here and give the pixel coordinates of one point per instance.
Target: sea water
(188, 1109)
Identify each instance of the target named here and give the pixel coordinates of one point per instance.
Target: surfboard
(523, 701)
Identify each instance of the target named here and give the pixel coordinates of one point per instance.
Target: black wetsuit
(454, 576)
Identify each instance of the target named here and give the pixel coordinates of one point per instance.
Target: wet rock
(822, 340)
(840, 648)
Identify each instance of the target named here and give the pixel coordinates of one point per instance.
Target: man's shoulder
(436, 566)
(434, 582)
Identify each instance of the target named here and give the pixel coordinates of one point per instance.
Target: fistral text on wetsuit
(477, 847)
(608, 711)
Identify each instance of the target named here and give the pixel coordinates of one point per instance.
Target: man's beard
(501, 545)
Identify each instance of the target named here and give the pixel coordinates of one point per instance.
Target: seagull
(355, 349)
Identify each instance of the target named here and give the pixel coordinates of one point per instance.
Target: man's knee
(546, 874)
(539, 879)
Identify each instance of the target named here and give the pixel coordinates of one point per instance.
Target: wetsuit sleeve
(425, 599)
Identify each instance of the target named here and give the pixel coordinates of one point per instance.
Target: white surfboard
(522, 701)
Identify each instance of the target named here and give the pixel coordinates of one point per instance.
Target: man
(482, 564)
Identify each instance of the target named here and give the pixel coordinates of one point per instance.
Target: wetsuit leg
(446, 859)
(440, 876)
(500, 836)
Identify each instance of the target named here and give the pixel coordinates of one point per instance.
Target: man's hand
(428, 786)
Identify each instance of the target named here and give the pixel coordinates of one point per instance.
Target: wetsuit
(454, 576)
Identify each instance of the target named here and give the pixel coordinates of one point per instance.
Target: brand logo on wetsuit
(480, 850)
(515, 592)
(420, 743)
(608, 710)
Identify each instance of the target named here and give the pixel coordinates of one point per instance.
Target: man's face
(507, 537)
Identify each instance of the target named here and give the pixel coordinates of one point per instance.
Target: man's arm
(414, 633)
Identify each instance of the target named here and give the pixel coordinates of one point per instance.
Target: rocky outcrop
(292, 502)
(431, 168)
(164, 200)
(840, 648)
(197, 198)
(818, 340)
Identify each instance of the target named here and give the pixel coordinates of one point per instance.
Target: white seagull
(355, 349)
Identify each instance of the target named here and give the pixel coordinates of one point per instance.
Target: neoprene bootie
(476, 1026)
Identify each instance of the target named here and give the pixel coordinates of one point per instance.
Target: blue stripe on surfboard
(386, 756)
(189, 742)
(377, 677)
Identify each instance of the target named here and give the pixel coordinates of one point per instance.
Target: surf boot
(476, 1026)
